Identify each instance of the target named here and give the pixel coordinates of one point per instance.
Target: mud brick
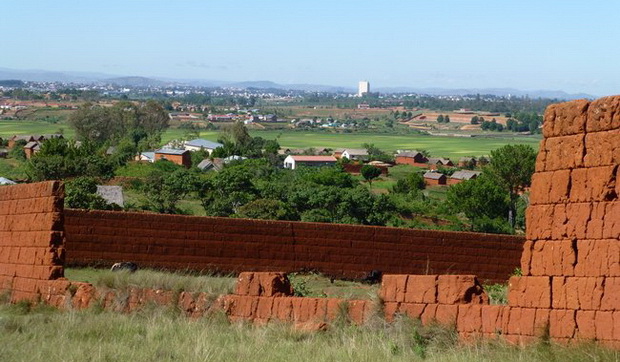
(529, 292)
(393, 287)
(469, 318)
(539, 222)
(429, 314)
(604, 324)
(411, 310)
(421, 289)
(602, 148)
(598, 258)
(593, 184)
(389, 310)
(356, 311)
(577, 292)
(611, 295)
(460, 289)
(282, 309)
(522, 321)
(603, 114)
(550, 187)
(586, 324)
(562, 323)
(565, 118)
(334, 308)
(596, 222)
(552, 258)
(492, 316)
(565, 152)
(611, 228)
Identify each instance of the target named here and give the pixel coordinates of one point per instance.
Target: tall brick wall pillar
(571, 259)
(31, 238)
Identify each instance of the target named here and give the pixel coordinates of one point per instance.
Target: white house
(293, 161)
(355, 154)
(201, 144)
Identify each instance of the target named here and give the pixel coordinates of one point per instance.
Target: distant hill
(503, 92)
(135, 81)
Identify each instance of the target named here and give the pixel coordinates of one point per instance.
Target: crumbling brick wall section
(31, 237)
(236, 245)
(571, 261)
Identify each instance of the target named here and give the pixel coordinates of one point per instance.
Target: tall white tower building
(362, 88)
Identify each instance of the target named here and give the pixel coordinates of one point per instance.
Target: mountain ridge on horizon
(140, 81)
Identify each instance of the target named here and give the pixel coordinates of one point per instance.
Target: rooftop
(199, 142)
(301, 158)
(167, 151)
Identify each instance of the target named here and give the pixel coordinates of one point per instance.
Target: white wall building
(363, 88)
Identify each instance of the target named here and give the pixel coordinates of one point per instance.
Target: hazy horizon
(450, 44)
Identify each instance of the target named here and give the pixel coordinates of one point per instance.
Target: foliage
(164, 190)
(237, 141)
(266, 209)
(100, 124)
(17, 152)
(413, 182)
(482, 200)
(59, 159)
(81, 193)
(370, 172)
(513, 166)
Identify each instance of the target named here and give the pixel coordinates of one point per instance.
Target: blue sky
(567, 45)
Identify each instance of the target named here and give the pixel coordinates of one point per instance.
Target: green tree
(163, 191)
(266, 209)
(446, 119)
(513, 166)
(411, 183)
(440, 119)
(481, 199)
(370, 172)
(81, 193)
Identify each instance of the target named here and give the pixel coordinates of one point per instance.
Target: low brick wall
(236, 245)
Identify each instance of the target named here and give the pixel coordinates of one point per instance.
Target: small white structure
(201, 144)
(294, 161)
(146, 157)
(355, 154)
(6, 181)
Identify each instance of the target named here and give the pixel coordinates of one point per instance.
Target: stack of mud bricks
(451, 300)
(31, 238)
(571, 261)
(262, 297)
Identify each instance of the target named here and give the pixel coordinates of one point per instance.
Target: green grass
(153, 279)
(317, 285)
(161, 334)
(13, 127)
(12, 169)
(452, 147)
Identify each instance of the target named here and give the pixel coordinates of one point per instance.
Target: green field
(13, 127)
(452, 147)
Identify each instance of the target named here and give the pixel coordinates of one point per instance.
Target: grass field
(162, 334)
(452, 147)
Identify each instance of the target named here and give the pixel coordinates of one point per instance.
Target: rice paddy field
(451, 147)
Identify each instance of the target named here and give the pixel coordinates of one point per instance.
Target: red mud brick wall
(571, 261)
(235, 245)
(31, 237)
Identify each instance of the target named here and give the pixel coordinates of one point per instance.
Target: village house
(462, 175)
(201, 144)
(434, 162)
(432, 178)
(338, 152)
(294, 161)
(146, 157)
(467, 162)
(31, 138)
(413, 158)
(355, 154)
(180, 157)
(211, 165)
(31, 148)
